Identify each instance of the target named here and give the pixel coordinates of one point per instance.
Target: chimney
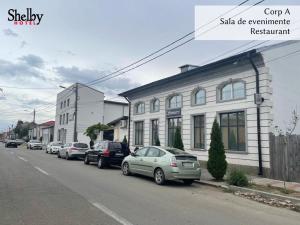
(187, 67)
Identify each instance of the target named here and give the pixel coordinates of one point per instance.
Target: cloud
(35, 102)
(75, 74)
(67, 52)
(33, 60)
(9, 32)
(23, 44)
(27, 68)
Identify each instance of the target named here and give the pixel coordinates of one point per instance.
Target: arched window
(140, 108)
(232, 91)
(198, 96)
(174, 102)
(154, 107)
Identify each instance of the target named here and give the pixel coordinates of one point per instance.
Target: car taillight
(106, 152)
(173, 162)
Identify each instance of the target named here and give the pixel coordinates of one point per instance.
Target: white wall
(285, 84)
(113, 111)
(210, 109)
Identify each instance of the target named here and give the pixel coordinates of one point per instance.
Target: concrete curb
(294, 200)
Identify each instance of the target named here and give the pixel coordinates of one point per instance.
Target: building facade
(91, 109)
(237, 91)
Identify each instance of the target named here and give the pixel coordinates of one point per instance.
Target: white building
(225, 90)
(91, 109)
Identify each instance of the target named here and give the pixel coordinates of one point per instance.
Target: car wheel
(86, 160)
(188, 182)
(67, 156)
(125, 169)
(100, 163)
(159, 177)
(58, 155)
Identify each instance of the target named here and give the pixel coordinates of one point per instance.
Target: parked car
(34, 144)
(163, 163)
(53, 147)
(107, 153)
(11, 143)
(72, 150)
(20, 141)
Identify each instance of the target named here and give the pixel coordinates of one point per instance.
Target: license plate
(188, 165)
(119, 154)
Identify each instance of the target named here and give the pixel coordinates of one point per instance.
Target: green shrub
(216, 164)
(238, 178)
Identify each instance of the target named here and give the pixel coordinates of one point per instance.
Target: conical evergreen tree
(216, 163)
(178, 140)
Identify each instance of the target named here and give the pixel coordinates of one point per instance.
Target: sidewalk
(292, 186)
(264, 190)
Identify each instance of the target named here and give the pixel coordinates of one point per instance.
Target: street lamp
(63, 87)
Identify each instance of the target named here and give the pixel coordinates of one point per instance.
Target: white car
(53, 147)
(73, 150)
(34, 144)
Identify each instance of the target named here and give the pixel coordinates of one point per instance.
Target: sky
(79, 41)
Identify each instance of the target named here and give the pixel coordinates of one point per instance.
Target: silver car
(53, 147)
(72, 150)
(163, 163)
(34, 144)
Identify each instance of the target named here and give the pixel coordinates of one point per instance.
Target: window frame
(136, 107)
(245, 151)
(152, 103)
(193, 132)
(231, 82)
(142, 134)
(151, 130)
(193, 96)
(178, 119)
(168, 101)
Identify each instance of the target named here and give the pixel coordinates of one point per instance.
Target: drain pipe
(129, 119)
(260, 166)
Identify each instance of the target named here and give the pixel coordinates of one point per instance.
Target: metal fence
(285, 157)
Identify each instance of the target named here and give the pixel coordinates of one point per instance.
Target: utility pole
(75, 113)
(34, 115)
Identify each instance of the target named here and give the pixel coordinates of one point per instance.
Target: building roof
(117, 120)
(50, 123)
(192, 72)
(117, 103)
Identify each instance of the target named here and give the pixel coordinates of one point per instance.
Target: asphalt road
(38, 188)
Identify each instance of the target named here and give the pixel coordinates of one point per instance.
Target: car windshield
(80, 145)
(115, 145)
(175, 151)
(56, 144)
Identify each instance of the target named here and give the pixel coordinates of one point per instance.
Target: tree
(125, 140)
(178, 140)
(216, 163)
(157, 142)
(94, 130)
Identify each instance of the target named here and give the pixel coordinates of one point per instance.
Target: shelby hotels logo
(27, 18)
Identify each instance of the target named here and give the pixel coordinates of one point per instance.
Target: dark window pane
(233, 119)
(225, 136)
(233, 138)
(241, 118)
(199, 132)
(224, 120)
(242, 142)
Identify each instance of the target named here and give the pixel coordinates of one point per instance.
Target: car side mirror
(133, 154)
